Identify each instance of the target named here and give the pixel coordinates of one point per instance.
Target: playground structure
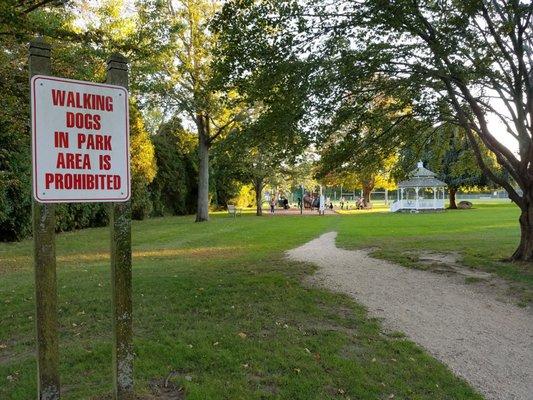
(311, 201)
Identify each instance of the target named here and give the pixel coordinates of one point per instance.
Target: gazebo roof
(421, 177)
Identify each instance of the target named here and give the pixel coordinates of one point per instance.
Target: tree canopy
(228, 93)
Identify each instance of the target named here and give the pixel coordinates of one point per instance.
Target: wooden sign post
(120, 223)
(45, 267)
(80, 153)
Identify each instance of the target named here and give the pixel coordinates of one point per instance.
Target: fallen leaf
(242, 335)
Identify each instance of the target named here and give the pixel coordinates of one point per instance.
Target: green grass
(199, 287)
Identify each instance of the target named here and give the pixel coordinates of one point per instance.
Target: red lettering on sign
(73, 161)
(104, 162)
(94, 142)
(58, 181)
(58, 97)
(48, 179)
(82, 181)
(89, 101)
(83, 121)
(61, 139)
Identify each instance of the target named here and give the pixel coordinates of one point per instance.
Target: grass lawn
(220, 313)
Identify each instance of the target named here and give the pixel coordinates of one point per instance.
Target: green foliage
(79, 215)
(15, 161)
(224, 183)
(446, 151)
(77, 53)
(245, 198)
(18, 23)
(173, 189)
(143, 165)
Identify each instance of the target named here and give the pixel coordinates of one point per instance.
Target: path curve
(485, 341)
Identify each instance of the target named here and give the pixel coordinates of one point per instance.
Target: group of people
(360, 203)
(314, 202)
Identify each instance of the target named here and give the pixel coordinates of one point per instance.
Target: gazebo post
(416, 198)
(435, 198)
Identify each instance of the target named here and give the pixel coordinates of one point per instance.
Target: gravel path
(485, 341)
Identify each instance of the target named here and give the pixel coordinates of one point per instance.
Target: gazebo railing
(396, 206)
(420, 204)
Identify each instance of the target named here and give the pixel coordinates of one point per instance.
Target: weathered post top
(118, 61)
(117, 70)
(38, 47)
(39, 57)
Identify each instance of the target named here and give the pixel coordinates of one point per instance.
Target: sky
(500, 132)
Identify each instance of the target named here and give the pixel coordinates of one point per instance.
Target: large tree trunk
(203, 170)
(258, 187)
(524, 252)
(451, 194)
(368, 186)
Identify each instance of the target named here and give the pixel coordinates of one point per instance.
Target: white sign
(80, 138)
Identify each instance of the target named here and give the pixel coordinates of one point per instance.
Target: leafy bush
(143, 165)
(173, 190)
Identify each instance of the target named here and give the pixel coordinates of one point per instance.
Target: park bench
(234, 211)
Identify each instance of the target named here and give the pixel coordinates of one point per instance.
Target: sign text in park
(80, 141)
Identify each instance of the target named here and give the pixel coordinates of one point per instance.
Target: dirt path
(485, 341)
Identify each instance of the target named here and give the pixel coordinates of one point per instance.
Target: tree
(79, 51)
(270, 134)
(448, 153)
(143, 165)
(184, 81)
(456, 61)
(19, 22)
(265, 143)
(173, 189)
(473, 56)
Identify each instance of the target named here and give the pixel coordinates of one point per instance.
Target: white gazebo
(421, 192)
